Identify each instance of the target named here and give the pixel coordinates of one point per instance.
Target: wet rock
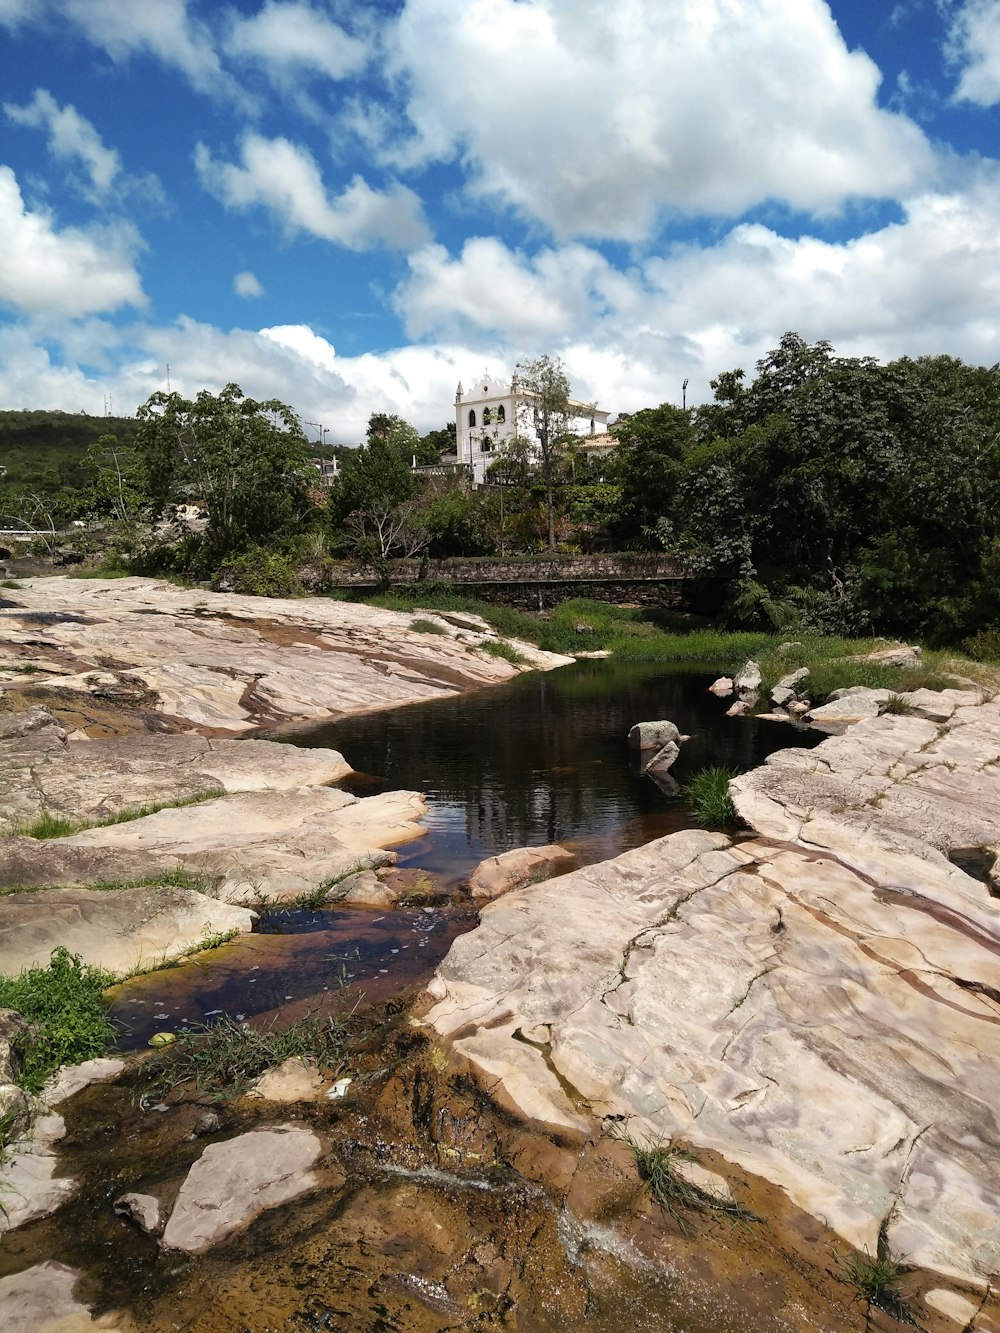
(365, 889)
(209, 1122)
(662, 759)
(799, 706)
(41, 1300)
(297, 1079)
(235, 1181)
(722, 686)
(131, 928)
(74, 1078)
(514, 869)
(652, 735)
(143, 1210)
(748, 678)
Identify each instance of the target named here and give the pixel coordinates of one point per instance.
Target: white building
(493, 411)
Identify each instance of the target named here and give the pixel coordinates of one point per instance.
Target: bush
(65, 1003)
(261, 573)
(984, 646)
(708, 793)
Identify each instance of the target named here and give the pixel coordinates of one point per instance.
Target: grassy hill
(44, 450)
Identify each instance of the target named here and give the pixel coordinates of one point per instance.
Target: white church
(493, 411)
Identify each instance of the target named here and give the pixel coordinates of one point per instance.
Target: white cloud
(599, 119)
(284, 178)
(974, 41)
(163, 29)
(247, 285)
(288, 37)
(71, 138)
(70, 272)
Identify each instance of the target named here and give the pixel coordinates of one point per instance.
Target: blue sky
(352, 206)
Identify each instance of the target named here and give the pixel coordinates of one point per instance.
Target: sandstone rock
(652, 735)
(74, 1078)
(233, 1182)
(722, 686)
(662, 759)
(29, 1185)
(16, 1109)
(738, 709)
(41, 1300)
(786, 688)
(748, 677)
(365, 889)
(142, 1209)
(133, 928)
(853, 706)
(190, 658)
(899, 656)
(514, 869)
(297, 1079)
(271, 845)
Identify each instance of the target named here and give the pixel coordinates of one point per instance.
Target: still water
(544, 759)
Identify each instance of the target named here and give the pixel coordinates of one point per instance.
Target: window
(487, 416)
(472, 418)
(501, 414)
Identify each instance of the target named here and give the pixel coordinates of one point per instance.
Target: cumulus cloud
(974, 42)
(282, 177)
(164, 30)
(247, 285)
(289, 37)
(600, 119)
(70, 272)
(71, 137)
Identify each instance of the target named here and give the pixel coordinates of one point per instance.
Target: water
(544, 759)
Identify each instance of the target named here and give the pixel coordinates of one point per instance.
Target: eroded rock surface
(235, 1181)
(511, 870)
(42, 1299)
(178, 658)
(818, 1005)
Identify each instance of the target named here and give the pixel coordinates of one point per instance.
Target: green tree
(545, 406)
(246, 462)
(649, 462)
(373, 508)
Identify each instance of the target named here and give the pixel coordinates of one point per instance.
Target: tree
(372, 500)
(545, 406)
(246, 462)
(649, 462)
(117, 488)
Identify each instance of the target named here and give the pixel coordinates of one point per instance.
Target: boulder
(41, 1300)
(662, 759)
(853, 706)
(297, 1079)
(143, 1210)
(900, 655)
(738, 709)
(748, 678)
(512, 870)
(652, 735)
(722, 686)
(236, 1180)
(785, 690)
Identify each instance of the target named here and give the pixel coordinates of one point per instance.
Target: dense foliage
(826, 494)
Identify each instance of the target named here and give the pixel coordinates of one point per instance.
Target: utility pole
(684, 395)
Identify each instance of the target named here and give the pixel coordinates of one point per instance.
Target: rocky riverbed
(811, 1012)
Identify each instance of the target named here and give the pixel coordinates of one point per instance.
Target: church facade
(492, 411)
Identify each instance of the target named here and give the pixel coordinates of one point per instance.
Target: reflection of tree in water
(544, 759)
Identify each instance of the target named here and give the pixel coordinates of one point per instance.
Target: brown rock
(514, 869)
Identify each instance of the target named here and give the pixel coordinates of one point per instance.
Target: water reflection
(544, 759)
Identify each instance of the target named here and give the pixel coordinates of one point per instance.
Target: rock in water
(514, 869)
(652, 735)
(233, 1182)
(748, 677)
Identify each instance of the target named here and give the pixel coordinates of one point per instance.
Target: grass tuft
(497, 648)
(222, 1061)
(708, 793)
(660, 1165)
(48, 825)
(876, 1278)
(10, 583)
(897, 705)
(65, 1003)
(422, 626)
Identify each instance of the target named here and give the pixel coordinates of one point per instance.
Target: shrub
(260, 573)
(65, 1002)
(984, 646)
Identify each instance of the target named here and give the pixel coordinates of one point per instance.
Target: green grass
(498, 648)
(897, 705)
(421, 626)
(48, 825)
(65, 1002)
(170, 879)
(876, 1278)
(708, 793)
(223, 1060)
(660, 1165)
(11, 583)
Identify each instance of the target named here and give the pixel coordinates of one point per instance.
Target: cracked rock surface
(819, 1005)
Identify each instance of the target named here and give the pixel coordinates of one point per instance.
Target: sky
(353, 206)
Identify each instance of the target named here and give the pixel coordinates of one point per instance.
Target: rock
(30, 731)
(186, 657)
(722, 686)
(799, 706)
(132, 928)
(143, 1210)
(365, 889)
(899, 656)
(785, 690)
(29, 1186)
(652, 735)
(297, 1079)
(209, 1122)
(41, 1300)
(513, 870)
(74, 1078)
(14, 1032)
(748, 677)
(787, 647)
(776, 715)
(234, 1181)
(662, 758)
(853, 706)
(738, 709)
(732, 994)
(16, 1109)
(271, 845)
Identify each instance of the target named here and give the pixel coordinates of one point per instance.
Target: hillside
(44, 450)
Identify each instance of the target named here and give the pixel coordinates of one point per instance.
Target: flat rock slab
(41, 1300)
(818, 1006)
(512, 870)
(91, 780)
(124, 930)
(270, 845)
(235, 1181)
(180, 658)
